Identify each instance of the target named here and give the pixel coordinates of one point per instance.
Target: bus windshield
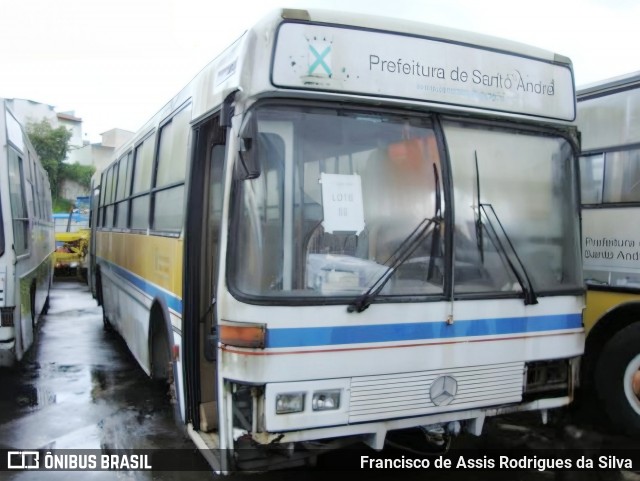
(525, 185)
(339, 195)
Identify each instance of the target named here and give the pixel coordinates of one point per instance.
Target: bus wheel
(161, 363)
(105, 321)
(32, 301)
(617, 379)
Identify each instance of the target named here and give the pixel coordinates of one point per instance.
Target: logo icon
(443, 390)
(23, 460)
(320, 59)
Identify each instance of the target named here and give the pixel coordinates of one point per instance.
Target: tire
(106, 324)
(162, 365)
(98, 288)
(32, 301)
(617, 379)
(45, 308)
(105, 320)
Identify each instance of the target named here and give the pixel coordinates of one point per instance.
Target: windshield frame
(435, 117)
(517, 127)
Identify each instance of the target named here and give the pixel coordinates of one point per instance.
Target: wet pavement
(79, 388)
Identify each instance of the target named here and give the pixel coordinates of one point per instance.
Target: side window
(37, 193)
(122, 194)
(111, 180)
(33, 187)
(591, 178)
(610, 178)
(18, 203)
(95, 197)
(42, 197)
(168, 189)
(142, 166)
(101, 203)
(622, 176)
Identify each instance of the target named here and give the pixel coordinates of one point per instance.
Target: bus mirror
(248, 166)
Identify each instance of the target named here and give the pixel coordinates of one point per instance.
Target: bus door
(204, 218)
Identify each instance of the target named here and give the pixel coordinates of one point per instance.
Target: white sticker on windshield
(342, 203)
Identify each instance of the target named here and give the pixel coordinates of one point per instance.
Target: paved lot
(79, 388)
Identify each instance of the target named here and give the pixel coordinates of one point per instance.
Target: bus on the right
(608, 116)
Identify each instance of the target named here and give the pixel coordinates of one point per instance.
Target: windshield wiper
(510, 253)
(479, 239)
(399, 257)
(506, 248)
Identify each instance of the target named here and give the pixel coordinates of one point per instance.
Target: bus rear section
(608, 114)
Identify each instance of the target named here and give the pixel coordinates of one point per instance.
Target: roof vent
(295, 14)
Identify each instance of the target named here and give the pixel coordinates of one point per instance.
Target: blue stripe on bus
(328, 336)
(334, 335)
(173, 302)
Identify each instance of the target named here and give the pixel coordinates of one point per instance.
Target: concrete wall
(116, 137)
(70, 190)
(74, 125)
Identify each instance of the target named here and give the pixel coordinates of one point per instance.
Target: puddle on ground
(28, 396)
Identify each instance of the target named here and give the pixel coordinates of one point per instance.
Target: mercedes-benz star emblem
(443, 390)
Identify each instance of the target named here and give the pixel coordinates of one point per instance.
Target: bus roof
(410, 27)
(248, 65)
(609, 85)
(607, 114)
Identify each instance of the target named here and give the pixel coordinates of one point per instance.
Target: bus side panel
(610, 247)
(27, 277)
(135, 270)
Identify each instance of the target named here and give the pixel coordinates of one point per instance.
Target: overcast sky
(116, 62)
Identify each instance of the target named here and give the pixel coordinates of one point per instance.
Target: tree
(51, 145)
(78, 173)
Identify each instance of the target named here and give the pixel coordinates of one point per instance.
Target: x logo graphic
(319, 60)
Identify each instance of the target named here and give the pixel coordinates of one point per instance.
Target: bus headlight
(325, 400)
(291, 402)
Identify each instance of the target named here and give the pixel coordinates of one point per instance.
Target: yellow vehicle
(608, 118)
(72, 234)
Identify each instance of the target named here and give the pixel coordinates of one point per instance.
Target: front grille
(407, 394)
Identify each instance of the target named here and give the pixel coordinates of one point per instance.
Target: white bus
(348, 225)
(26, 239)
(609, 121)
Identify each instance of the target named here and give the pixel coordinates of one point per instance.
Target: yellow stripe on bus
(600, 302)
(156, 259)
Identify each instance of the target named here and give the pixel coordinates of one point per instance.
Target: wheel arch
(161, 342)
(160, 336)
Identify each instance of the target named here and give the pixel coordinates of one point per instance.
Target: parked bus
(345, 226)
(26, 239)
(609, 120)
(94, 198)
